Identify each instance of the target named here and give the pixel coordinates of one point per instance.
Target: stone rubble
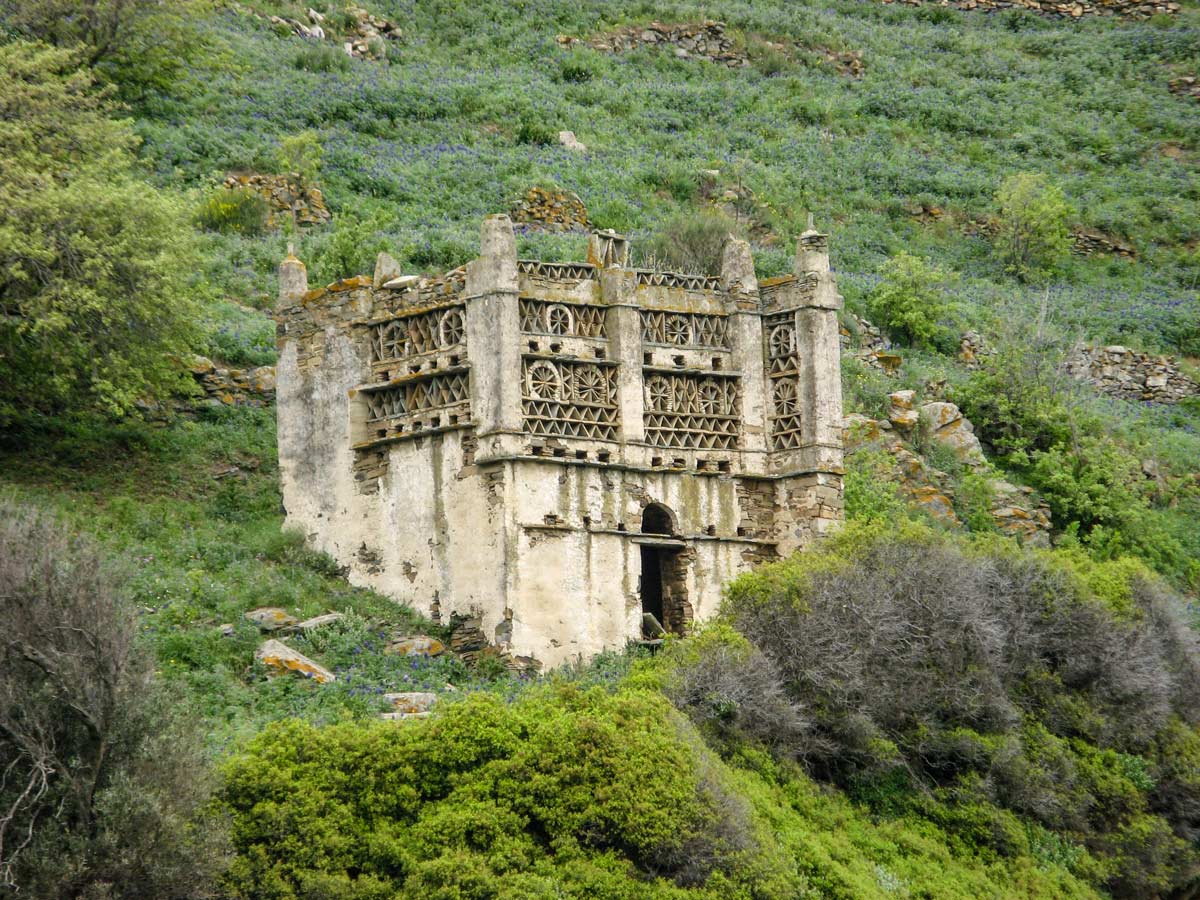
(868, 344)
(271, 618)
(544, 209)
(1131, 9)
(280, 192)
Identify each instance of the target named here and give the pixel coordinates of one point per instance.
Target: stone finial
(293, 279)
(607, 249)
(386, 268)
(496, 268)
(737, 267)
(812, 251)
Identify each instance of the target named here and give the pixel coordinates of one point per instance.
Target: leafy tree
(910, 301)
(93, 261)
(141, 46)
(102, 787)
(1033, 238)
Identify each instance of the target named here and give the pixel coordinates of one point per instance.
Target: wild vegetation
(910, 711)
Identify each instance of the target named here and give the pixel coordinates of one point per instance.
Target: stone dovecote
(559, 449)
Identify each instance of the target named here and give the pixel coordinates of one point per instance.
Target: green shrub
(234, 211)
(1033, 237)
(536, 133)
(911, 303)
(691, 242)
(321, 57)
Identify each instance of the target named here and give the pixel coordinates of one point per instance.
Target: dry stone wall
(709, 41)
(281, 192)
(1074, 9)
(1130, 375)
(545, 209)
(228, 386)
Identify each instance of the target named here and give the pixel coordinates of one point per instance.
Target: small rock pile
(364, 40)
(280, 192)
(1075, 9)
(234, 387)
(1130, 375)
(1185, 86)
(543, 209)
(702, 40)
(972, 350)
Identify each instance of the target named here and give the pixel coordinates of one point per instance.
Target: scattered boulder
(416, 645)
(568, 140)
(272, 618)
(409, 704)
(1185, 86)
(319, 621)
(282, 659)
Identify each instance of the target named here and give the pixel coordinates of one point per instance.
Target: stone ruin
(563, 453)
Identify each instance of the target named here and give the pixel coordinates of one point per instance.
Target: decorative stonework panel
(676, 329)
(569, 399)
(566, 319)
(647, 278)
(399, 408)
(557, 272)
(779, 334)
(692, 411)
(399, 338)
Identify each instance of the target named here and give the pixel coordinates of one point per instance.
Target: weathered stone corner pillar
(812, 492)
(609, 252)
(493, 336)
(746, 340)
(820, 356)
(293, 280)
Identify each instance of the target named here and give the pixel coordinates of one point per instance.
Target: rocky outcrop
(1014, 511)
(544, 209)
(1086, 241)
(1072, 9)
(282, 193)
(1130, 375)
(234, 387)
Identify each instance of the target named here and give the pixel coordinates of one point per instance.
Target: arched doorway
(662, 586)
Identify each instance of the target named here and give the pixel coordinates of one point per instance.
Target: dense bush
(104, 787)
(1010, 683)
(911, 303)
(94, 262)
(579, 790)
(1033, 238)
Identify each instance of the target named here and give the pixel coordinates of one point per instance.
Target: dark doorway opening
(652, 598)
